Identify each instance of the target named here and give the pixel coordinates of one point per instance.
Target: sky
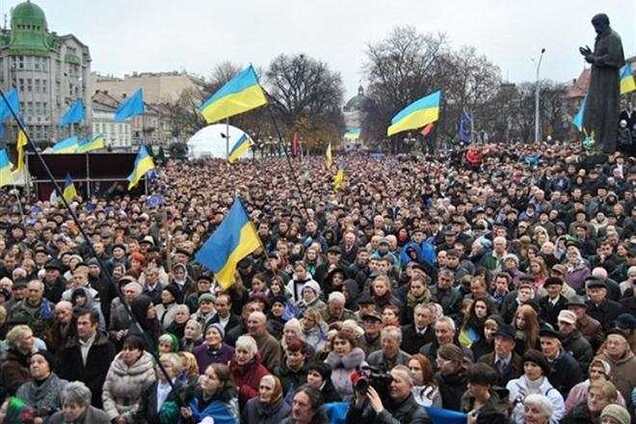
(193, 35)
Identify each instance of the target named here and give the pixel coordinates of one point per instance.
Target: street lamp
(536, 99)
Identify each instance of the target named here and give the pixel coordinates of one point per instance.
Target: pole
(227, 138)
(536, 100)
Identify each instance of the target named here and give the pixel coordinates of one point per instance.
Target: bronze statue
(602, 104)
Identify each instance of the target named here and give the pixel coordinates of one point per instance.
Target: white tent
(211, 142)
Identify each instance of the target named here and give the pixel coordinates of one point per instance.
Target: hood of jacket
(143, 364)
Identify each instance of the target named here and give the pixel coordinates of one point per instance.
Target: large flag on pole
(240, 148)
(68, 145)
(328, 157)
(69, 193)
(233, 240)
(14, 101)
(74, 114)
(417, 114)
(338, 180)
(132, 106)
(628, 83)
(20, 144)
(6, 176)
(143, 164)
(240, 94)
(465, 129)
(577, 121)
(95, 143)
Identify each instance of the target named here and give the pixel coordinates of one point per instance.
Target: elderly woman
(600, 394)
(246, 368)
(213, 350)
(599, 370)
(168, 306)
(534, 381)
(577, 269)
(76, 407)
(14, 370)
(311, 298)
(314, 329)
(191, 336)
(131, 372)
(159, 401)
(537, 409)
(42, 393)
(168, 343)
(344, 359)
(268, 407)
(214, 398)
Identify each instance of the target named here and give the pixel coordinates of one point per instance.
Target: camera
(375, 377)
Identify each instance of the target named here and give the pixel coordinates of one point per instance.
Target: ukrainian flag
(240, 94)
(69, 193)
(143, 164)
(5, 169)
(68, 145)
(627, 79)
(95, 143)
(338, 180)
(240, 148)
(577, 121)
(417, 114)
(353, 134)
(233, 240)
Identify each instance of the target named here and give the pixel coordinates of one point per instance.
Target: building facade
(50, 71)
(118, 135)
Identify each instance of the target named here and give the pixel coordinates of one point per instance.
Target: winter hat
(48, 357)
(567, 316)
(173, 290)
(279, 299)
(206, 297)
(451, 352)
(218, 327)
(537, 358)
(617, 412)
(311, 284)
(172, 339)
(607, 368)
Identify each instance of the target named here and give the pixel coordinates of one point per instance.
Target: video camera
(368, 376)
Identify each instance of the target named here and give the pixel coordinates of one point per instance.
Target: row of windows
(36, 85)
(35, 108)
(29, 63)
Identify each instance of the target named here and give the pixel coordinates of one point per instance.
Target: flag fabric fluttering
(328, 157)
(233, 240)
(132, 106)
(74, 114)
(352, 134)
(14, 101)
(240, 148)
(6, 176)
(69, 193)
(338, 180)
(68, 145)
(96, 142)
(143, 164)
(628, 82)
(417, 114)
(240, 94)
(295, 145)
(427, 129)
(577, 121)
(20, 144)
(465, 128)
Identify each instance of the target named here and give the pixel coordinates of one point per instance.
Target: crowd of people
(502, 287)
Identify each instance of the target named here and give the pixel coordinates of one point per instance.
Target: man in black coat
(573, 341)
(599, 306)
(504, 359)
(420, 331)
(565, 372)
(88, 357)
(553, 303)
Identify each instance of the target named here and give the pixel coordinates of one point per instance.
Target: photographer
(400, 408)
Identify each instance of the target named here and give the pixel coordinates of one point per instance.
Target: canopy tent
(210, 141)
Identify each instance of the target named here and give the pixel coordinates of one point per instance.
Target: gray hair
(248, 343)
(337, 297)
(182, 308)
(76, 393)
(541, 402)
(448, 321)
(391, 331)
(405, 372)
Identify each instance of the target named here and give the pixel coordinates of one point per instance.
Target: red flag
(295, 147)
(427, 129)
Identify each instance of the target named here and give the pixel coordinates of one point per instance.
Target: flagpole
(227, 138)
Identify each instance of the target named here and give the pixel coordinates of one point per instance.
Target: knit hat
(173, 290)
(537, 358)
(219, 328)
(617, 412)
(451, 352)
(567, 316)
(279, 299)
(48, 357)
(206, 297)
(311, 284)
(174, 342)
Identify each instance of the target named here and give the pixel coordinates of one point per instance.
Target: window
(29, 85)
(45, 108)
(37, 85)
(44, 86)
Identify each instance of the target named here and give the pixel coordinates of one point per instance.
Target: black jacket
(451, 388)
(565, 373)
(412, 342)
(549, 312)
(605, 312)
(147, 412)
(512, 371)
(93, 374)
(407, 411)
(580, 349)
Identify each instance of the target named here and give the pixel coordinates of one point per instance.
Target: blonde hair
(16, 333)
(190, 365)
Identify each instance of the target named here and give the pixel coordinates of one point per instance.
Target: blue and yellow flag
(628, 83)
(417, 114)
(69, 193)
(20, 144)
(68, 145)
(14, 101)
(6, 177)
(240, 94)
(338, 180)
(240, 148)
(132, 106)
(352, 134)
(233, 240)
(95, 143)
(577, 121)
(143, 164)
(74, 114)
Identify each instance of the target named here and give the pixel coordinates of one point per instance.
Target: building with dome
(50, 71)
(353, 112)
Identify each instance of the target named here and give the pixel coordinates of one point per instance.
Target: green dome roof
(29, 31)
(28, 13)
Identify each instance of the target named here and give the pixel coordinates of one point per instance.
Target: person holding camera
(368, 406)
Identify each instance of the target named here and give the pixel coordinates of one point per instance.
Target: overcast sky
(165, 35)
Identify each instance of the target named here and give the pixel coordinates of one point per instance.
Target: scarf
(412, 301)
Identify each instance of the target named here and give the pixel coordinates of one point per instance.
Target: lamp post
(536, 99)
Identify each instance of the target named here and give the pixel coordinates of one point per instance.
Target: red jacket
(247, 378)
